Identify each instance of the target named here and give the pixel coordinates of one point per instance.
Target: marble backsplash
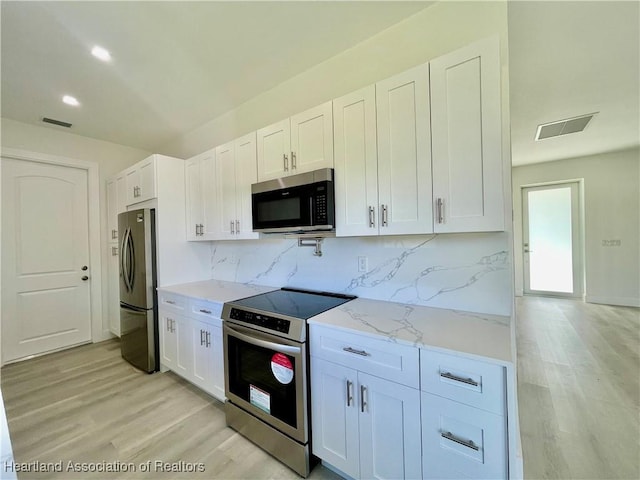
(470, 272)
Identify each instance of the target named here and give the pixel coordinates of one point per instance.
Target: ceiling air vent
(563, 127)
(53, 121)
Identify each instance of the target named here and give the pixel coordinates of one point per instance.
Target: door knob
(85, 278)
(84, 267)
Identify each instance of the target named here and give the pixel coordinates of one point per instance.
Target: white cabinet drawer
(398, 363)
(459, 441)
(172, 302)
(475, 383)
(208, 312)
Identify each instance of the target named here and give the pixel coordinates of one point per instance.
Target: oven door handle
(263, 343)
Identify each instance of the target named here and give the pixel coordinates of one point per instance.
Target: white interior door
(45, 249)
(551, 240)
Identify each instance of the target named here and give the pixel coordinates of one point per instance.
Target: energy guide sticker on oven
(282, 368)
(260, 399)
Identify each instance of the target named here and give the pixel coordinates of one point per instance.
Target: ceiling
(177, 65)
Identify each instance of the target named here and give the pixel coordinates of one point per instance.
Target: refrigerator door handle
(127, 260)
(123, 259)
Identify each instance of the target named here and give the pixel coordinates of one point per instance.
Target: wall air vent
(53, 121)
(563, 127)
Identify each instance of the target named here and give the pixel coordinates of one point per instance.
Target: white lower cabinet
(363, 425)
(191, 342)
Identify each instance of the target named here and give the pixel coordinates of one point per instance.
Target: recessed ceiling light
(69, 100)
(101, 53)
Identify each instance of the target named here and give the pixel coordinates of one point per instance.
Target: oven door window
(282, 208)
(263, 378)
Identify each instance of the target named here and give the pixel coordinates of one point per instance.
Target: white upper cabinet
(141, 181)
(466, 143)
(235, 172)
(404, 153)
(356, 163)
(298, 144)
(200, 193)
(112, 210)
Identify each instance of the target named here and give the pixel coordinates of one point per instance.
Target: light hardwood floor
(88, 405)
(578, 389)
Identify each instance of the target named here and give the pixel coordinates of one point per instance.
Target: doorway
(46, 260)
(552, 240)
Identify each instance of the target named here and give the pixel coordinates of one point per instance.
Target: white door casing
(46, 239)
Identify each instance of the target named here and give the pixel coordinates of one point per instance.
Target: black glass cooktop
(292, 302)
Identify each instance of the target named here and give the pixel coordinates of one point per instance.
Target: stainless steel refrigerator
(138, 296)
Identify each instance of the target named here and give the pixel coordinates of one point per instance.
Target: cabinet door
(202, 355)
(147, 179)
(246, 174)
(194, 200)
(112, 210)
(390, 440)
(356, 163)
(459, 441)
(113, 273)
(168, 339)
(226, 190)
(274, 149)
(312, 139)
(208, 189)
(121, 188)
(467, 146)
(132, 179)
(404, 153)
(184, 339)
(334, 415)
(217, 364)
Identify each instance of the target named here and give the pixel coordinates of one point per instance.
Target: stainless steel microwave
(297, 203)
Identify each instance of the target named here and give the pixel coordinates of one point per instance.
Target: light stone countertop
(476, 335)
(471, 334)
(217, 291)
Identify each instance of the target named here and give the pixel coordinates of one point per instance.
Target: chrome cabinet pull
(349, 393)
(208, 339)
(384, 214)
(293, 161)
(232, 227)
(440, 210)
(201, 229)
(237, 227)
(201, 337)
(208, 312)
(450, 376)
(114, 234)
(114, 251)
(286, 162)
(363, 402)
(372, 214)
(465, 443)
(170, 302)
(357, 352)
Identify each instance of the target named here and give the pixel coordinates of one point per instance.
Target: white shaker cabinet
(141, 181)
(464, 428)
(236, 170)
(200, 196)
(113, 286)
(301, 143)
(356, 163)
(191, 341)
(404, 153)
(365, 405)
(466, 139)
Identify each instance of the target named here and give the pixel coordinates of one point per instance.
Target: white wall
(612, 212)
(110, 158)
(434, 31)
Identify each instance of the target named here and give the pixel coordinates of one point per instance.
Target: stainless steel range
(266, 370)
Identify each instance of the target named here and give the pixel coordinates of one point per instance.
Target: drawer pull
(464, 443)
(170, 302)
(357, 352)
(468, 381)
(208, 312)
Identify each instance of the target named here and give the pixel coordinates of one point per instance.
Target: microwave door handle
(263, 343)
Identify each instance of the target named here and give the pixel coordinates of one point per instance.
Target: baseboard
(617, 301)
